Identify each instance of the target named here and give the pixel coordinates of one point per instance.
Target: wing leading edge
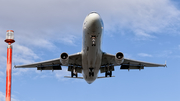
(128, 63)
(53, 64)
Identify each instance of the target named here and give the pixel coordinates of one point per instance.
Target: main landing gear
(74, 73)
(73, 70)
(107, 69)
(108, 73)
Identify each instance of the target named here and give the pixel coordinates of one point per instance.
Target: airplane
(91, 59)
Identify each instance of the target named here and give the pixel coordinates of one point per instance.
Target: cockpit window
(93, 12)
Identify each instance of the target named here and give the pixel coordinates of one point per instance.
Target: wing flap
(50, 67)
(128, 63)
(54, 64)
(131, 67)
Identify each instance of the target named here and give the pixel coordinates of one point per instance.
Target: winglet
(165, 64)
(14, 65)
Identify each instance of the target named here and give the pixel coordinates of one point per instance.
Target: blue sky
(145, 30)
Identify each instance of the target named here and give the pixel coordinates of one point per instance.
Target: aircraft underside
(91, 59)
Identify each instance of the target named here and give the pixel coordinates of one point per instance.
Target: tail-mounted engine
(119, 58)
(64, 58)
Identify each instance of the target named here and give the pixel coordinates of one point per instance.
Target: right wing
(128, 63)
(54, 64)
(145, 64)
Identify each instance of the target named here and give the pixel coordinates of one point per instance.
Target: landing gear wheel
(108, 73)
(74, 74)
(91, 74)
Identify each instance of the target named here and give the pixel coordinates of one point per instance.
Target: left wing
(128, 63)
(53, 64)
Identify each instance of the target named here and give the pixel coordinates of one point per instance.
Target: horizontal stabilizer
(83, 78)
(73, 77)
(104, 77)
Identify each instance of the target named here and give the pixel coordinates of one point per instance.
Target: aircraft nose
(94, 21)
(94, 16)
(89, 82)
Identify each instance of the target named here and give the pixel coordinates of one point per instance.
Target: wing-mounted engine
(119, 58)
(64, 58)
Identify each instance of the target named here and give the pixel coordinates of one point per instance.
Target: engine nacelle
(119, 58)
(64, 58)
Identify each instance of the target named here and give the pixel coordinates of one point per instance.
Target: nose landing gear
(93, 37)
(91, 72)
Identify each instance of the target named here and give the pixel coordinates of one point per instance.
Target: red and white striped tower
(9, 40)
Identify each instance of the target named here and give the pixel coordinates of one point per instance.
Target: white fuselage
(91, 50)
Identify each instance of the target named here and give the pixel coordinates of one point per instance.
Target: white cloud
(166, 54)
(37, 25)
(20, 71)
(172, 54)
(178, 46)
(2, 96)
(140, 35)
(24, 52)
(3, 62)
(12, 99)
(42, 23)
(22, 55)
(128, 56)
(1, 73)
(146, 18)
(41, 29)
(68, 39)
(1, 80)
(60, 18)
(60, 74)
(3, 52)
(144, 55)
